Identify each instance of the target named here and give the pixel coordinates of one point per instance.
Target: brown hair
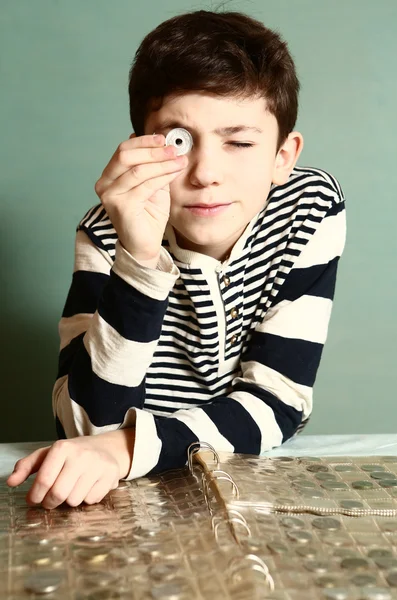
(228, 54)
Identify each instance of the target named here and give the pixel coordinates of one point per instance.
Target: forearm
(102, 370)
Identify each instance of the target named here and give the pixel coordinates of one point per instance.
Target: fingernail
(158, 139)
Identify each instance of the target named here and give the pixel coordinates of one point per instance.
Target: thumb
(26, 466)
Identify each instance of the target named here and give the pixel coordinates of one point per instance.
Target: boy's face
(219, 172)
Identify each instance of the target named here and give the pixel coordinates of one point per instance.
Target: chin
(199, 238)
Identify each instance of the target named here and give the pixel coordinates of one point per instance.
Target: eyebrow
(221, 131)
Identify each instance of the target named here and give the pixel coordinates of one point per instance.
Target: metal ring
(216, 518)
(236, 513)
(216, 527)
(243, 523)
(228, 478)
(259, 565)
(221, 521)
(196, 447)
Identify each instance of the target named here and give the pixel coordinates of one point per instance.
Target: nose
(205, 166)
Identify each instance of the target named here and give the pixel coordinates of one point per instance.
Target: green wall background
(64, 109)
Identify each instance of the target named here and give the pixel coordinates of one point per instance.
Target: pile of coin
(320, 556)
(148, 539)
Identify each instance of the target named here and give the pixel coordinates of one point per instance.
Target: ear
(287, 158)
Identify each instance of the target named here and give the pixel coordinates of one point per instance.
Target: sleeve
(109, 330)
(272, 398)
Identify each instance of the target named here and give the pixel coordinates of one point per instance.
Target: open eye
(241, 144)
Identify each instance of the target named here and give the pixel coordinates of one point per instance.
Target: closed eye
(241, 144)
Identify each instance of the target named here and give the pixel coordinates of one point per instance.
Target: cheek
(253, 177)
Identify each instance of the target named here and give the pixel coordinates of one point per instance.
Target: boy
(203, 283)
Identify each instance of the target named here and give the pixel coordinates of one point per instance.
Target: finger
(48, 472)
(70, 487)
(144, 173)
(128, 157)
(146, 141)
(82, 487)
(26, 466)
(99, 490)
(159, 183)
(63, 485)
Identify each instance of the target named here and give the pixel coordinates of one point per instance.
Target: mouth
(206, 205)
(207, 209)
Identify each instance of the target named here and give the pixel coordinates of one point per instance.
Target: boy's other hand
(134, 190)
(74, 470)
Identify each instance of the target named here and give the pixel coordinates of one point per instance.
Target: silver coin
(391, 578)
(292, 522)
(334, 485)
(119, 558)
(285, 500)
(336, 539)
(388, 483)
(386, 562)
(91, 538)
(298, 477)
(92, 556)
(326, 581)
(169, 591)
(312, 493)
(362, 485)
(304, 484)
(375, 593)
(163, 572)
(363, 579)
(100, 579)
(123, 485)
(326, 523)
(47, 559)
(325, 476)
(372, 468)
(104, 594)
(307, 551)
(159, 551)
(145, 482)
(277, 547)
(345, 553)
(353, 563)
(379, 553)
(43, 582)
(349, 504)
(317, 566)
(344, 468)
(336, 593)
(317, 468)
(382, 475)
(41, 543)
(181, 139)
(297, 535)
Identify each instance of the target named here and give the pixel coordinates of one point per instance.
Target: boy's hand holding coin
(134, 190)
